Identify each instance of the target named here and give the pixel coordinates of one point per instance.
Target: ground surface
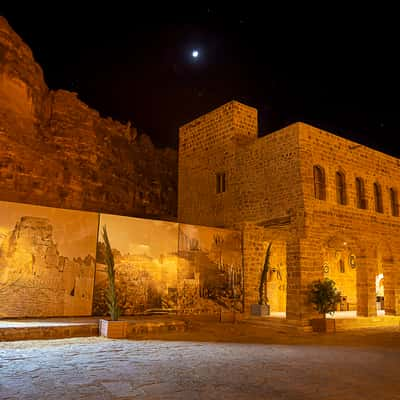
(211, 361)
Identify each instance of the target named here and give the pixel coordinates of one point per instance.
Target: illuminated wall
(145, 255)
(210, 269)
(47, 261)
(336, 266)
(48, 264)
(200, 274)
(277, 277)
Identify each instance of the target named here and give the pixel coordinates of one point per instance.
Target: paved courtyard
(345, 368)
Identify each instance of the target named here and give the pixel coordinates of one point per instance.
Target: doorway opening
(380, 294)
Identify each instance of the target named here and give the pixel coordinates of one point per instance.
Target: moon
(195, 53)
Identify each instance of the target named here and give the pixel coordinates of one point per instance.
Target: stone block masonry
(56, 151)
(342, 230)
(270, 193)
(207, 147)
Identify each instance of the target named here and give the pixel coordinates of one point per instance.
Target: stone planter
(113, 329)
(227, 316)
(327, 325)
(260, 310)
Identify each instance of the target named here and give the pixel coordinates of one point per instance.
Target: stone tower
(207, 149)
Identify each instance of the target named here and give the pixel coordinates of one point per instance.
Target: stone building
(329, 205)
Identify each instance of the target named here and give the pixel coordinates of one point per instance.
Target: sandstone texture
(270, 194)
(56, 151)
(36, 280)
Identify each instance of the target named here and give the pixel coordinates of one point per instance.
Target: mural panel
(47, 261)
(145, 255)
(155, 275)
(210, 273)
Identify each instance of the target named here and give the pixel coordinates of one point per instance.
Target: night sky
(332, 68)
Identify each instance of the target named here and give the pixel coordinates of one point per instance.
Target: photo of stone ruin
(155, 274)
(145, 255)
(210, 266)
(46, 261)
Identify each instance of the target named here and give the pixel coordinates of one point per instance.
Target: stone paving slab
(98, 368)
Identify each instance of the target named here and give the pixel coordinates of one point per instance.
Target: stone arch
(383, 250)
(276, 283)
(342, 241)
(385, 278)
(277, 278)
(339, 260)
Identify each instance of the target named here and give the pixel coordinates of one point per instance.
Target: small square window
(220, 181)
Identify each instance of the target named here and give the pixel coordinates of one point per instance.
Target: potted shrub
(325, 297)
(112, 328)
(262, 308)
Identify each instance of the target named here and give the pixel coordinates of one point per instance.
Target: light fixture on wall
(352, 260)
(325, 267)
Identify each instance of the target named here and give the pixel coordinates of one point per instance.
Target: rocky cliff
(56, 151)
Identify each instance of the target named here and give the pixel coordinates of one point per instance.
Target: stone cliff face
(56, 151)
(35, 280)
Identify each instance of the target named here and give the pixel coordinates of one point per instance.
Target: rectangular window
(319, 183)
(340, 188)
(378, 197)
(220, 180)
(360, 193)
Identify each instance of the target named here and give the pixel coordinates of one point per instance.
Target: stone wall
(270, 196)
(56, 151)
(373, 237)
(266, 183)
(52, 263)
(255, 242)
(263, 194)
(263, 182)
(207, 146)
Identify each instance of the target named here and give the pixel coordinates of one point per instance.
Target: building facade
(329, 205)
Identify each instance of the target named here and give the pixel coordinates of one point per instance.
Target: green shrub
(324, 296)
(111, 294)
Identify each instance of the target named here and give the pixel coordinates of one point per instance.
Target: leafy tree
(324, 296)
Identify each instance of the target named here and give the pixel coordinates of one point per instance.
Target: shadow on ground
(206, 329)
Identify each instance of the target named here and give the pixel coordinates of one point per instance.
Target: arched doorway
(277, 279)
(380, 292)
(339, 264)
(384, 280)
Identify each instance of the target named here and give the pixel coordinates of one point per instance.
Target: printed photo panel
(145, 256)
(47, 261)
(210, 272)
